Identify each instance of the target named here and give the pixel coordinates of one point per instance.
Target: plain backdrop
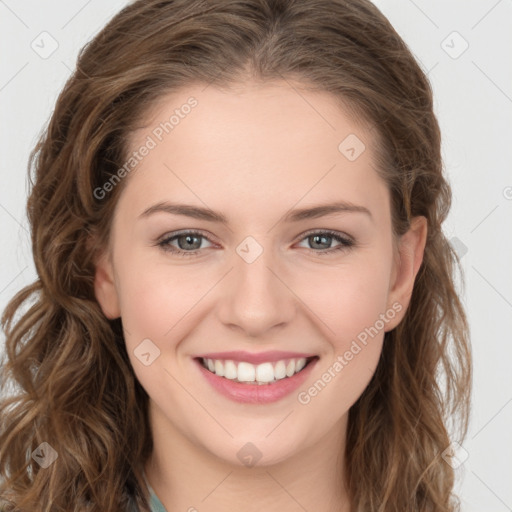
(464, 46)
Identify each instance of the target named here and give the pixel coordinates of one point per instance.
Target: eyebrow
(296, 215)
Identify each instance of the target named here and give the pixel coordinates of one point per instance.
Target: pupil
(319, 237)
(189, 240)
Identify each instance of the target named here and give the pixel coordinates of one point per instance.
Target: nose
(255, 297)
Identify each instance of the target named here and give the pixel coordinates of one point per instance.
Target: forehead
(272, 141)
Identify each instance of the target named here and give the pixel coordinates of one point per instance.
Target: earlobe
(105, 289)
(411, 247)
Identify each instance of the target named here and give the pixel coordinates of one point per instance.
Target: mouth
(266, 373)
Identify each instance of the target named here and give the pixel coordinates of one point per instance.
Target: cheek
(154, 298)
(347, 298)
(356, 313)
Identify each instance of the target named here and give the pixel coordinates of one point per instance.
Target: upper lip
(256, 358)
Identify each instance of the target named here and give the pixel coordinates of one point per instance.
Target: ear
(411, 246)
(104, 286)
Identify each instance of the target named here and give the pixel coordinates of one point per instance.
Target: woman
(289, 358)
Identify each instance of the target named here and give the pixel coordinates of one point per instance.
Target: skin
(253, 154)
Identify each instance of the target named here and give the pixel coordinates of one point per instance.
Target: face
(268, 278)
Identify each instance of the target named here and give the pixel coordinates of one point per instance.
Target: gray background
(473, 98)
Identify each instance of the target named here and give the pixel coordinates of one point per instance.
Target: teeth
(246, 372)
(265, 372)
(230, 370)
(290, 369)
(219, 368)
(280, 370)
(258, 374)
(300, 364)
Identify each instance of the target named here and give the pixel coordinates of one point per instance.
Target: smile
(264, 373)
(261, 383)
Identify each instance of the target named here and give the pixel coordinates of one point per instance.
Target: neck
(185, 476)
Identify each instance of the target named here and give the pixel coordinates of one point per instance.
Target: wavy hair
(69, 378)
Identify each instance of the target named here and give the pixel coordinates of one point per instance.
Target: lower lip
(256, 393)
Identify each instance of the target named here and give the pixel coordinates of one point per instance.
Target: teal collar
(155, 503)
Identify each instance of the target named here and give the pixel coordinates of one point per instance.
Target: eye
(319, 239)
(189, 243)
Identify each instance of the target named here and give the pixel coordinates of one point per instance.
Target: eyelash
(345, 242)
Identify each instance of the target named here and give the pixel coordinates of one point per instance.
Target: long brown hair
(72, 383)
